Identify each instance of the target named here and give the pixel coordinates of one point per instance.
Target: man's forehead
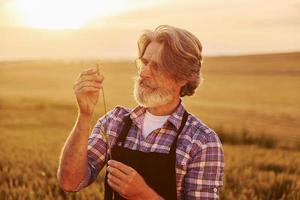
(152, 51)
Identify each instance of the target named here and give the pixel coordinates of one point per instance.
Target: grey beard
(157, 97)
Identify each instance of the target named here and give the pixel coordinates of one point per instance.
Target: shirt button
(215, 190)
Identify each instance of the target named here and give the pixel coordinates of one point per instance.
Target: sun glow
(66, 14)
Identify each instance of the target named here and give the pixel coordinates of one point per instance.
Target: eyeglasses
(140, 63)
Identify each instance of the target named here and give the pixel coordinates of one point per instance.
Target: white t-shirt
(152, 122)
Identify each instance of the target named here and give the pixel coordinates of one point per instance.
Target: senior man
(158, 149)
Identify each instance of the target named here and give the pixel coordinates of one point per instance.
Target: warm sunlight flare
(66, 14)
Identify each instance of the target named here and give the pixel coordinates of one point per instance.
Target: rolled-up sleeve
(205, 170)
(97, 151)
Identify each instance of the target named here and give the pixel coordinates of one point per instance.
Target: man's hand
(86, 89)
(128, 182)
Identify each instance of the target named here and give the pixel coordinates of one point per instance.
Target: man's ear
(182, 83)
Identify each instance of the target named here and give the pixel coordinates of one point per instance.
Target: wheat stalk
(103, 132)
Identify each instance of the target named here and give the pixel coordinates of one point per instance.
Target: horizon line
(120, 59)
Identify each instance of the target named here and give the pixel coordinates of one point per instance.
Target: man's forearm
(73, 161)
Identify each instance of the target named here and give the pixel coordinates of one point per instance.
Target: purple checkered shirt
(199, 152)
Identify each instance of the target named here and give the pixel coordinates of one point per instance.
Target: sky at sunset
(32, 29)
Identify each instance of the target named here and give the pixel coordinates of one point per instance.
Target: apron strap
(184, 119)
(125, 129)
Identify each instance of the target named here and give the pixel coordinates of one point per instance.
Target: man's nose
(145, 71)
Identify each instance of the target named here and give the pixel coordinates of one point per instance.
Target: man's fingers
(94, 77)
(114, 186)
(87, 84)
(86, 71)
(89, 77)
(91, 71)
(115, 179)
(88, 89)
(116, 173)
(124, 168)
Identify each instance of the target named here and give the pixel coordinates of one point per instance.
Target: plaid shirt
(199, 152)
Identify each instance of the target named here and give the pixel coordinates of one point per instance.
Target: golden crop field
(253, 103)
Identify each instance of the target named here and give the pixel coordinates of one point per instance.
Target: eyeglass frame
(140, 63)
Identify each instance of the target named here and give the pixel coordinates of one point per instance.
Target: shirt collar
(176, 117)
(138, 113)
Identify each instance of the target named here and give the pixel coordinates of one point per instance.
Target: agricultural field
(253, 103)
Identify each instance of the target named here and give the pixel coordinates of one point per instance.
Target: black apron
(157, 169)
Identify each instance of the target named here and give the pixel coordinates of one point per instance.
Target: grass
(241, 98)
(245, 137)
(34, 132)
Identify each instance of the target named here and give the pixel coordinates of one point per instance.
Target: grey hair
(180, 56)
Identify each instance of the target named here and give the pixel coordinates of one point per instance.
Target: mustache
(146, 83)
